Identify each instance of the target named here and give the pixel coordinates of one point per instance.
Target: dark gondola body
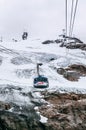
(41, 82)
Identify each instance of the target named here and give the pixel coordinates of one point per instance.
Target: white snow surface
(43, 119)
(18, 68)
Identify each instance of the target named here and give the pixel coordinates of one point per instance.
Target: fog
(41, 18)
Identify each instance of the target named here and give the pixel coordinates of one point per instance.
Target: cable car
(41, 82)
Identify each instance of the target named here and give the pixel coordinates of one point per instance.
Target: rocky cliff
(66, 111)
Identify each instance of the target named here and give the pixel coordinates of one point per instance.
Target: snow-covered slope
(18, 68)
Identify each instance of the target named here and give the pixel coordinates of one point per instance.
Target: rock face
(52, 41)
(26, 119)
(73, 72)
(81, 46)
(65, 111)
(48, 42)
(74, 45)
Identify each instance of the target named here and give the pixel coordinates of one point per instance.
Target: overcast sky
(41, 18)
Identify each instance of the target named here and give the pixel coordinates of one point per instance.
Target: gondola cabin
(41, 82)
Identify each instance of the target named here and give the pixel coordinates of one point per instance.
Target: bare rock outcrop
(74, 45)
(73, 72)
(66, 111)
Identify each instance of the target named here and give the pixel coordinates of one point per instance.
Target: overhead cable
(73, 22)
(71, 17)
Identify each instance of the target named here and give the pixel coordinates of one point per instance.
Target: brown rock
(73, 72)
